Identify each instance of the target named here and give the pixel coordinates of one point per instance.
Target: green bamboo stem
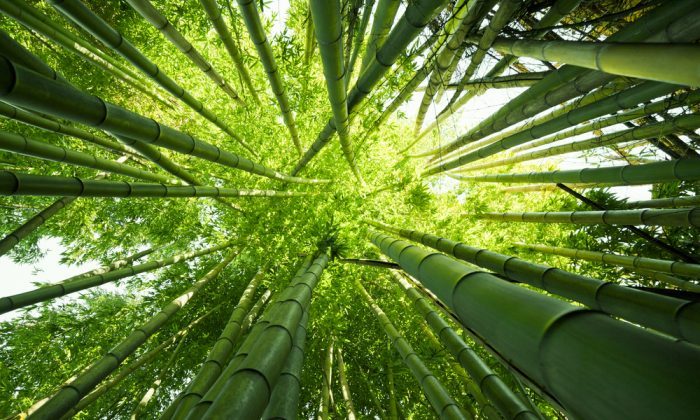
(545, 187)
(76, 11)
(688, 201)
(284, 400)
(625, 99)
(503, 82)
(559, 111)
(114, 265)
(554, 342)
(440, 399)
(70, 394)
(256, 31)
(22, 145)
(310, 39)
(488, 382)
(505, 13)
(329, 34)
(678, 124)
(467, 16)
(14, 237)
(246, 393)
(670, 103)
(648, 173)
(220, 352)
(152, 391)
(666, 22)
(672, 316)
(244, 350)
(324, 408)
(672, 267)
(359, 39)
(42, 294)
(393, 405)
(647, 217)
(23, 87)
(372, 394)
(214, 14)
(255, 311)
(671, 63)
(344, 385)
(29, 118)
(160, 22)
(13, 183)
(415, 18)
(127, 370)
(382, 22)
(16, 52)
(33, 19)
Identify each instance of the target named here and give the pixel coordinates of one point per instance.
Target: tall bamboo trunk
(345, 385)
(324, 410)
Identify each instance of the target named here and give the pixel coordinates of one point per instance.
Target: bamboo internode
(647, 217)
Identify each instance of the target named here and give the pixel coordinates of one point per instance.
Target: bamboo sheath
(648, 173)
(23, 87)
(672, 316)
(678, 124)
(76, 11)
(160, 22)
(666, 266)
(440, 399)
(667, 22)
(329, 34)
(220, 351)
(68, 286)
(488, 382)
(214, 14)
(70, 394)
(567, 349)
(648, 217)
(669, 63)
(669, 103)
(256, 31)
(243, 351)
(414, 19)
(247, 391)
(12, 183)
(626, 99)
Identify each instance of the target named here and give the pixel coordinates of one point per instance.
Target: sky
(18, 278)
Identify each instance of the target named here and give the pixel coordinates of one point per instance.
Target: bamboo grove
(459, 209)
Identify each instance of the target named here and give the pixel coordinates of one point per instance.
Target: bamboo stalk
(76, 11)
(34, 91)
(70, 394)
(440, 399)
(552, 341)
(688, 201)
(41, 294)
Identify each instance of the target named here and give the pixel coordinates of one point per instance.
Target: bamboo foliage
(220, 352)
(329, 34)
(72, 285)
(415, 18)
(673, 267)
(544, 338)
(672, 316)
(22, 87)
(488, 382)
(70, 394)
(257, 34)
(160, 22)
(648, 217)
(444, 405)
(86, 19)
